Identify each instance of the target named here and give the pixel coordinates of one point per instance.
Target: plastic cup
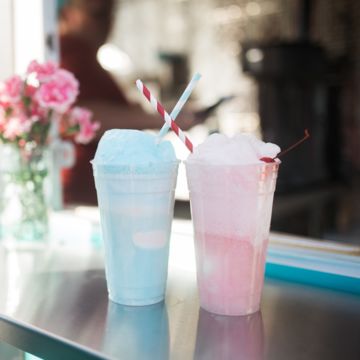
(136, 209)
(231, 208)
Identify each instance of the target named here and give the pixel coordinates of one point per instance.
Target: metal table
(53, 304)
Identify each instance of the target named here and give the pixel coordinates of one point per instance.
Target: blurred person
(84, 26)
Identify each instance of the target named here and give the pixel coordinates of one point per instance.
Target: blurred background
(282, 65)
(291, 65)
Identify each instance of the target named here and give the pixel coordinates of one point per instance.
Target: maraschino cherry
(271, 160)
(268, 159)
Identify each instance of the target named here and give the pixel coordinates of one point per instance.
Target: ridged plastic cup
(136, 209)
(231, 208)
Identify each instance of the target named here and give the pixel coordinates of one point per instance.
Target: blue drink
(136, 204)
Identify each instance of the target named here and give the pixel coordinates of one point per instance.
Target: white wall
(26, 26)
(6, 39)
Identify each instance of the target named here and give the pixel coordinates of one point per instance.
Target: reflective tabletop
(53, 304)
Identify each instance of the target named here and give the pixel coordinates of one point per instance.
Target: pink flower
(87, 132)
(10, 90)
(30, 90)
(37, 110)
(87, 129)
(16, 126)
(28, 106)
(2, 119)
(43, 72)
(59, 93)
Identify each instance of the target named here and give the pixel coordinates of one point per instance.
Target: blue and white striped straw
(181, 102)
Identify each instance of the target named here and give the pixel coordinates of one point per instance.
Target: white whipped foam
(244, 149)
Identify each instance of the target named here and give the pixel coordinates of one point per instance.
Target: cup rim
(276, 163)
(174, 162)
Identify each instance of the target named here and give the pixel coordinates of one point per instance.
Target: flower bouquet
(32, 109)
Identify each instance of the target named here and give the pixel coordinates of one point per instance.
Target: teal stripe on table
(313, 277)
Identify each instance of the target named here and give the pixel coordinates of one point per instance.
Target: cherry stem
(307, 135)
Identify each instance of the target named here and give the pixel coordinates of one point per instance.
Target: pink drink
(231, 209)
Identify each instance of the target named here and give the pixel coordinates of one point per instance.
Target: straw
(159, 108)
(181, 102)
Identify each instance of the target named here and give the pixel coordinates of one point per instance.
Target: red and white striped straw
(167, 118)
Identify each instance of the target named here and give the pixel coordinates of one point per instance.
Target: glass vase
(23, 205)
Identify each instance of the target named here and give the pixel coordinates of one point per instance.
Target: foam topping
(132, 147)
(244, 149)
